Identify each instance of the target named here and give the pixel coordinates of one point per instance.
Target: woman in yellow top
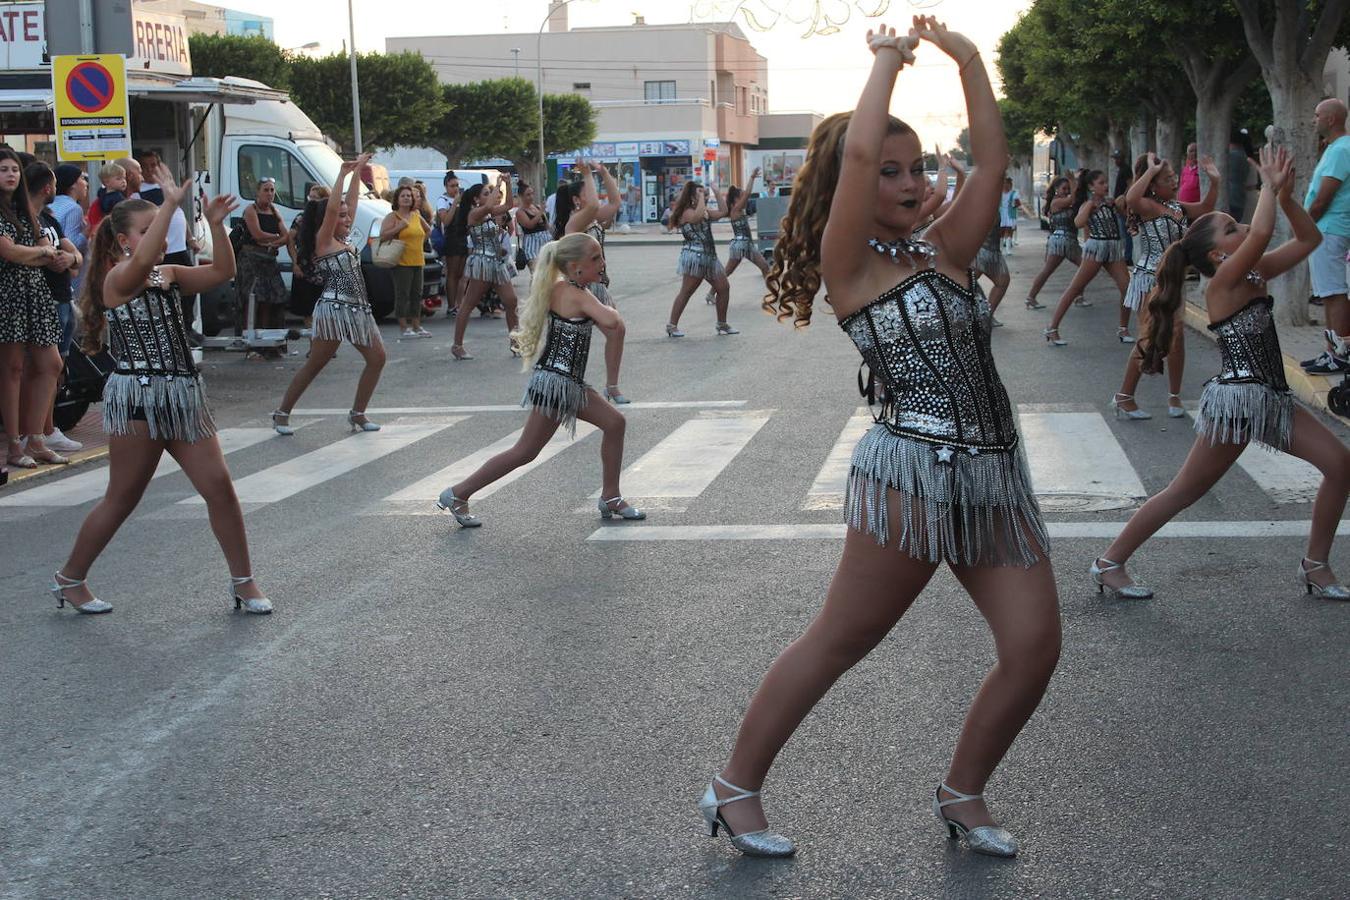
(407, 224)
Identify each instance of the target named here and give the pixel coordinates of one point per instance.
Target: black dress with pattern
(27, 309)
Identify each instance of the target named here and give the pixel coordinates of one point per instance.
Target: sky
(819, 73)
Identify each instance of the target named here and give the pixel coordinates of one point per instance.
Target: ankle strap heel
(752, 843)
(990, 840)
(623, 510)
(258, 606)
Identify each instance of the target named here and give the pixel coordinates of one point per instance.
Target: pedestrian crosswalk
(690, 453)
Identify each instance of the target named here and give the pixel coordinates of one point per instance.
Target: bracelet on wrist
(962, 67)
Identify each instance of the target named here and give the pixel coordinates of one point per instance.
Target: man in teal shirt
(1328, 202)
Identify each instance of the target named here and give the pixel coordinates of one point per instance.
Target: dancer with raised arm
(342, 312)
(578, 209)
(1062, 243)
(742, 241)
(941, 478)
(533, 225)
(154, 402)
(1248, 401)
(1094, 209)
(557, 393)
(698, 257)
(1159, 220)
(476, 215)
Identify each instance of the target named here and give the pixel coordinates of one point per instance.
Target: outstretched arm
(1306, 233)
(613, 201)
(199, 279)
(582, 217)
(1137, 199)
(1206, 204)
(1275, 168)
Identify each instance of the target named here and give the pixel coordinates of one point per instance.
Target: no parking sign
(93, 122)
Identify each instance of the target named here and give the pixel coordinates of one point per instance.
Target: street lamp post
(539, 82)
(515, 54)
(356, 91)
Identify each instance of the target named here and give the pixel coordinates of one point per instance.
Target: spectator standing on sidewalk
(41, 190)
(405, 223)
(455, 243)
(1188, 188)
(1328, 202)
(69, 206)
(259, 279)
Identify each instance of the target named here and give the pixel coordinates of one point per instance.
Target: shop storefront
(649, 173)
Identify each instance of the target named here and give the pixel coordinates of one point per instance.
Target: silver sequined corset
(927, 339)
(1062, 222)
(1103, 225)
(146, 336)
(740, 228)
(487, 240)
(567, 347)
(342, 281)
(1249, 349)
(698, 236)
(1156, 235)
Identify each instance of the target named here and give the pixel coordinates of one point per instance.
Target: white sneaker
(408, 335)
(60, 443)
(422, 332)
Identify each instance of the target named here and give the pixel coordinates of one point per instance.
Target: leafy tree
(222, 56)
(400, 97)
(569, 124)
(485, 119)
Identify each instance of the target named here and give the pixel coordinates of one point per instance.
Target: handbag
(521, 262)
(388, 253)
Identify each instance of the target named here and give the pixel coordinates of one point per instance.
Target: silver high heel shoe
(1330, 592)
(282, 427)
(448, 502)
(367, 425)
(613, 396)
(1175, 412)
(623, 512)
(753, 843)
(258, 606)
(725, 328)
(92, 607)
(1056, 340)
(673, 330)
(987, 839)
(1128, 592)
(1127, 413)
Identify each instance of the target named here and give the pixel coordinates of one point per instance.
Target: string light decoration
(819, 17)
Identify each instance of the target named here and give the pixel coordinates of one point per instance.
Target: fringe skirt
(1065, 245)
(699, 264)
(172, 407)
(1239, 413)
(991, 263)
(533, 243)
(557, 396)
(743, 249)
(1104, 251)
(977, 509)
(489, 268)
(335, 320)
(1141, 282)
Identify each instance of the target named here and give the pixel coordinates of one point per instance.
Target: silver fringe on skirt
(556, 396)
(1141, 283)
(351, 322)
(699, 264)
(492, 269)
(991, 263)
(1065, 245)
(743, 249)
(172, 406)
(533, 243)
(1103, 251)
(1238, 413)
(975, 509)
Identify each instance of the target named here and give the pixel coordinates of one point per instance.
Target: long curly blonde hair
(794, 277)
(548, 271)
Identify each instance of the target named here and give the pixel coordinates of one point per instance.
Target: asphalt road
(519, 711)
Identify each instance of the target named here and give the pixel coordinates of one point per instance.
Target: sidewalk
(88, 431)
(1296, 341)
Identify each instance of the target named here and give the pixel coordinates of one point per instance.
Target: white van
(242, 144)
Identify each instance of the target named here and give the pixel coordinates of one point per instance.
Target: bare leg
(612, 426)
(11, 381)
(1081, 279)
(41, 373)
(454, 273)
(538, 430)
(320, 353)
(688, 284)
(1176, 362)
(370, 374)
(473, 292)
(1022, 610)
(1122, 279)
(1000, 288)
(731, 266)
(613, 358)
(1204, 466)
(205, 467)
(1051, 264)
(872, 588)
(507, 292)
(723, 289)
(1314, 443)
(132, 460)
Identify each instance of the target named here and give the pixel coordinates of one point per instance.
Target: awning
(25, 100)
(27, 97)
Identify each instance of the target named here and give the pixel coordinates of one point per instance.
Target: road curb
(1311, 390)
(78, 458)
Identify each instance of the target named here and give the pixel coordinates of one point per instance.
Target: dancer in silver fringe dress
(1094, 210)
(153, 402)
(1062, 243)
(1248, 402)
(1159, 220)
(941, 478)
(557, 393)
(343, 311)
(989, 261)
(579, 208)
(698, 257)
(476, 214)
(743, 244)
(532, 223)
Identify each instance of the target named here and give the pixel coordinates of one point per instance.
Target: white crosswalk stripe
(418, 498)
(827, 491)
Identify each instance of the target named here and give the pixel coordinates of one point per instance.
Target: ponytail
(1159, 313)
(103, 256)
(549, 269)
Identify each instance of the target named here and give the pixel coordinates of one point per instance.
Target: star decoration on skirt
(944, 454)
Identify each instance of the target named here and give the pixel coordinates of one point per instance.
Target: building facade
(674, 102)
(203, 18)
